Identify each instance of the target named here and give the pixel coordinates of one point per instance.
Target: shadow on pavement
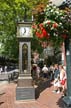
(42, 85)
(1, 93)
(1, 103)
(60, 103)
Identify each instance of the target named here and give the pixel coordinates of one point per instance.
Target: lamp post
(24, 90)
(67, 99)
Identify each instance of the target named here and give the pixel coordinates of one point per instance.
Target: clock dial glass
(25, 31)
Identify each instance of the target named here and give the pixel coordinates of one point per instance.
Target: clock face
(25, 31)
(57, 2)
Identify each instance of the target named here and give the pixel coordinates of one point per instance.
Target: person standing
(5, 69)
(56, 82)
(56, 71)
(38, 71)
(63, 78)
(0, 70)
(45, 71)
(51, 72)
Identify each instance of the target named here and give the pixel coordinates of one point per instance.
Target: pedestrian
(45, 71)
(1, 69)
(51, 72)
(63, 79)
(5, 68)
(56, 82)
(38, 71)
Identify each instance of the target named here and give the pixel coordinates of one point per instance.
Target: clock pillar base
(25, 90)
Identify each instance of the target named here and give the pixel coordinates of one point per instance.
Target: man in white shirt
(45, 71)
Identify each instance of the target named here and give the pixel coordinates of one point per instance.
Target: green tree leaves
(12, 11)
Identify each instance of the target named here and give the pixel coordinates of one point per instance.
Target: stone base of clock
(25, 93)
(25, 89)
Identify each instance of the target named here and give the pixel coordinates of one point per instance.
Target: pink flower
(44, 44)
(48, 22)
(40, 25)
(34, 26)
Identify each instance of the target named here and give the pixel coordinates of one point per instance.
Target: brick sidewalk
(47, 99)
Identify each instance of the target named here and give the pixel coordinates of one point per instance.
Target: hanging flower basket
(52, 28)
(49, 30)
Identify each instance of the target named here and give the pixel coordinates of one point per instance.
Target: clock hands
(24, 30)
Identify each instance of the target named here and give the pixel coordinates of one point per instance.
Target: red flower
(44, 32)
(55, 25)
(39, 35)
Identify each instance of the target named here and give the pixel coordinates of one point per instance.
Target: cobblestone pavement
(47, 99)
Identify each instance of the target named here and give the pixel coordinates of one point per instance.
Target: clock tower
(25, 89)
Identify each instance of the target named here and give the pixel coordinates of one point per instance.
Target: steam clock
(24, 90)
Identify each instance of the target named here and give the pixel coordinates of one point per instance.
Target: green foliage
(53, 13)
(35, 42)
(12, 11)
